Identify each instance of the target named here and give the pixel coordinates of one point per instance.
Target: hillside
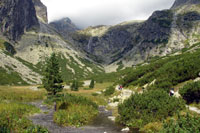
(87, 53)
(25, 47)
(132, 43)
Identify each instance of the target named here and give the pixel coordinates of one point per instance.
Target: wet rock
(125, 129)
(112, 118)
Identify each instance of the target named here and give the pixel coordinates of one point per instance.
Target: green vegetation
(33, 67)
(74, 86)
(76, 71)
(13, 111)
(74, 110)
(13, 118)
(191, 92)
(168, 71)
(91, 84)
(20, 94)
(75, 115)
(7, 46)
(109, 91)
(52, 80)
(120, 66)
(10, 77)
(184, 124)
(151, 106)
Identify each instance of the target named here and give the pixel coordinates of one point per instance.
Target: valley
(58, 78)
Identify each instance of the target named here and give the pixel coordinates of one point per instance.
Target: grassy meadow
(15, 110)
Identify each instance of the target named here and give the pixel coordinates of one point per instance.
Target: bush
(87, 88)
(74, 86)
(168, 71)
(191, 92)
(151, 106)
(91, 84)
(109, 91)
(75, 115)
(95, 94)
(74, 110)
(184, 124)
(72, 99)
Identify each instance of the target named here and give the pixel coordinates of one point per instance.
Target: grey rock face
(178, 3)
(41, 11)
(121, 39)
(64, 27)
(16, 16)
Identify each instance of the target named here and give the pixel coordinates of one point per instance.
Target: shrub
(184, 124)
(109, 91)
(74, 110)
(191, 92)
(75, 115)
(168, 71)
(72, 99)
(13, 118)
(151, 106)
(95, 94)
(87, 88)
(91, 84)
(74, 86)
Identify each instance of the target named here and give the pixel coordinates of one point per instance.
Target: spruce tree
(74, 86)
(52, 80)
(91, 84)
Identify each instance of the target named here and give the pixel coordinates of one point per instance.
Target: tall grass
(20, 94)
(74, 110)
(13, 118)
(75, 115)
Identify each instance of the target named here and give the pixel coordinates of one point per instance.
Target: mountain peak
(178, 3)
(41, 11)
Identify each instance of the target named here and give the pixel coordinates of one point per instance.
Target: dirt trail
(100, 125)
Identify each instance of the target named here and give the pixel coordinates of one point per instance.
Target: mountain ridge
(87, 52)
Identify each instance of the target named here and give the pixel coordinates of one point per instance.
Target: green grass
(20, 93)
(13, 118)
(73, 110)
(75, 115)
(14, 112)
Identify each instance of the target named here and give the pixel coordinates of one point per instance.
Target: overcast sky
(86, 13)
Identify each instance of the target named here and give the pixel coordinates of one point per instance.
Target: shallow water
(101, 124)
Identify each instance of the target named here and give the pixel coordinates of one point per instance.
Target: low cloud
(86, 13)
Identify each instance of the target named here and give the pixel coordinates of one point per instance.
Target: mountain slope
(165, 32)
(17, 16)
(64, 27)
(23, 53)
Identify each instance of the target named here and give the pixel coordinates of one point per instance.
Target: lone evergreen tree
(91, 84)
(52, 80)
(74, 86)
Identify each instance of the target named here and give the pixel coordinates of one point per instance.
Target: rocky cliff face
(178, 3)
(23, 48)
(41, 11)
(164, 32)
(116, 41)
(65, 27)
(16, 16)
